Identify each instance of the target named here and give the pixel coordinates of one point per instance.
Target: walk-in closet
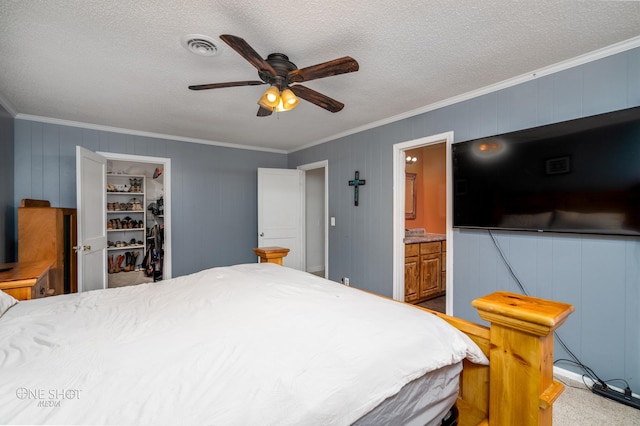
(135, 222)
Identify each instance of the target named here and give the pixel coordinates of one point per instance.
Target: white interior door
(281, 213)
(91, 183)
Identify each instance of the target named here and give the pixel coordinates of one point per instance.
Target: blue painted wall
(213, 189)
(600, 276)
(6, 187)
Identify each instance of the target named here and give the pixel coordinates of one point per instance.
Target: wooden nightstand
(26, 280)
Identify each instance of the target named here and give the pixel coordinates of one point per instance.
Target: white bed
(254, 344)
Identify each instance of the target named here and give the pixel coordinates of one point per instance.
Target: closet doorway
(138, 243)
(136, 220)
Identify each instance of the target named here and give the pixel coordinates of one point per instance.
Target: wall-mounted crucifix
(356, 182)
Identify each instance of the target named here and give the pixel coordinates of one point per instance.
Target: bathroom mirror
(410, 196)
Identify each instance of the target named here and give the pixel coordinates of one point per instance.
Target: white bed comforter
(254, 344)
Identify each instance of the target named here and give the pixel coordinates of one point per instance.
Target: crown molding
(532, 75)
(560, 66)
(103, 128)
(7, 106)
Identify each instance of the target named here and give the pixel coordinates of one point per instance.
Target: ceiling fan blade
(323, 101)
(263, 112)
(242, 47)
(229, 84)
(325, 69)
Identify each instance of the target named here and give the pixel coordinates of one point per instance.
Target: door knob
(81, 248)
(262, 234)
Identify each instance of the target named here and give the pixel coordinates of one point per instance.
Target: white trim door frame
(399, 216)
(166, 163)
(325, 165)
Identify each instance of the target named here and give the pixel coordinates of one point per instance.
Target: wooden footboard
(517, 388)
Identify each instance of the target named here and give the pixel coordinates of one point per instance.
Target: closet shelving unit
(137, 213)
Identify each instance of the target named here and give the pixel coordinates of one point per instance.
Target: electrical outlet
(345, 281)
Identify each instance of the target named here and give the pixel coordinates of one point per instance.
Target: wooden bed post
(271, 254)
(522, 390)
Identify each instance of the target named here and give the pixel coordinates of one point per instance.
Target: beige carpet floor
(122, 279)
(578, 406)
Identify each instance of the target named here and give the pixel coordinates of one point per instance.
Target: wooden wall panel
(7, 127)
(606, 85)
(208, 215)
(51, 165)
(562, 267)
(567, 94)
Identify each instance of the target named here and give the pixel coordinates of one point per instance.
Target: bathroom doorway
(432, 213)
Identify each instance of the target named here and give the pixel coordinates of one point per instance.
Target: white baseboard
(575, 377)
(570, 375)
(313, 269)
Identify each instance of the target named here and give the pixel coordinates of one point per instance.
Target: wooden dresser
(26, 280)
(49, 233)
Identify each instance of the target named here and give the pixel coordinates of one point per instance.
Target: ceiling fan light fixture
(270, 98)
(289, 99)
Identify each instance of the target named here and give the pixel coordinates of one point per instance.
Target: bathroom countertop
(425, 238)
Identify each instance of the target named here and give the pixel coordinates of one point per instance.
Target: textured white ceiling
(120, 63)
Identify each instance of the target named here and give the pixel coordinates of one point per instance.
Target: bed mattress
(240, 345)
(422, 402)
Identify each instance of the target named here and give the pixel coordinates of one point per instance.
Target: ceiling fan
(283, 77)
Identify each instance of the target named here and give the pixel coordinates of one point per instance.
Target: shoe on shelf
(127, 261)
(134, 260)
(118, 263)
(135, 204)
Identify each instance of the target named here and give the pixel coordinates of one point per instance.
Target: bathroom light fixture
(411, 159)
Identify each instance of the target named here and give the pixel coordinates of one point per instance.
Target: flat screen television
(579, 176)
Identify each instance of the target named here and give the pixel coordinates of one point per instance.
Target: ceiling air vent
(200, 45)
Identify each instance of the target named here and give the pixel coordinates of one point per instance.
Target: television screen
(576, 176)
